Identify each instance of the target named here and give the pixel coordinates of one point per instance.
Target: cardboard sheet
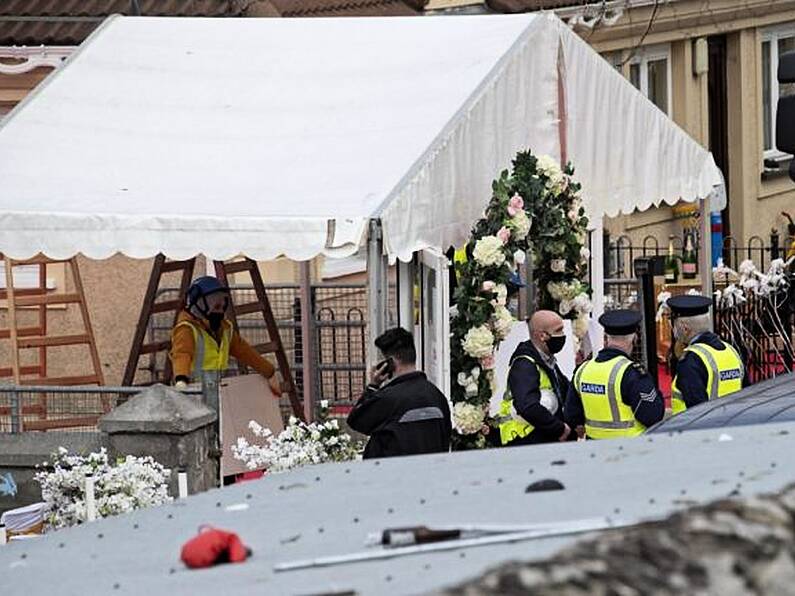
(245, 398)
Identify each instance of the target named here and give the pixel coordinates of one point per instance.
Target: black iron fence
(620, 253)
(761, 327)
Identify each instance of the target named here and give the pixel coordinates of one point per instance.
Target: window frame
(772, 35)
(642, 56)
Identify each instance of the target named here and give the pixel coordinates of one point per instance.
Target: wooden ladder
(152, 306)
(263, 306)
(36, 337)
(174, 305)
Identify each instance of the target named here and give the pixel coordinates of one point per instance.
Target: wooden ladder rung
(155, 347)
(171, 266)
(51, 299)
(237, 267)
(84, 380)
(247, 309)
(59, 423)
(30, 369)
(40, 260)
(267, 347)
(26, 410)
(21, 332)
(167, 306)
(58, 340)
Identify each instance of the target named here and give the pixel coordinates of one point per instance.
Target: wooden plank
(167, 306)
(236, 267)
(247, 309)
(267, 347)
(59, 423)
(26, 410)
(22, 332)
(92, 344)
(156, 347)
(171, 266)
(66, 381)
(39, 260)
(60, 340)
(51, 299)
(31, 369)
(13, 95)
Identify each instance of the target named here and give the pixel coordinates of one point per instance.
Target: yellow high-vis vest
(724, 373)
(512, 425)
(207, 353)
(599, 387)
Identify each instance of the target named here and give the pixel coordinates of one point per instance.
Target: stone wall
(177, 430)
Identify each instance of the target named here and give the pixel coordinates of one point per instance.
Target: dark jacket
(407, 416)
(691, 374)
(638, 391)
(524, 383)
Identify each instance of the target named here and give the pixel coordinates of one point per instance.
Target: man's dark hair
(397, 343)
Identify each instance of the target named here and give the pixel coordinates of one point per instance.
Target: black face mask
(555, 343)
(215, 319)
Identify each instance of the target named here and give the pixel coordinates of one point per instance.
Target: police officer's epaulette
(639, 367)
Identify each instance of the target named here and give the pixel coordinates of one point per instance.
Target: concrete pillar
(745, 152)
(177, 430)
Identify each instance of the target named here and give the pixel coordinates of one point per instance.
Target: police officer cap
(689, 305)
(620, 322)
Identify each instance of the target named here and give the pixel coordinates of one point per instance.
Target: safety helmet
(200, 289)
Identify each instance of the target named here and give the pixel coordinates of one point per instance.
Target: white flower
(556, 181)
(488, 286)
(502, 322)
(488, 251)
(324, 403)
(478, 342)
(580, 326)
(471, 390)
(565, 307)
(502, 294)
(468, 418)
(585, 254)
(462, 379)
(520, 224)
(519, 257)
(582, 303)
(747, 268)
(558, 265)
(475, 373)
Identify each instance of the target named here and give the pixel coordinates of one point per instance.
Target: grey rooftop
(330, 509)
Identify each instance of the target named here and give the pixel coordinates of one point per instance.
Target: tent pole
(405, 279)
(308, 359)
(376, 287)
(705, 252)
(597, 277)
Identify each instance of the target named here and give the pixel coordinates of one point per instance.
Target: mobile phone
(386, 366)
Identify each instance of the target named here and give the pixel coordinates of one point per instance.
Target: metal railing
(55, 408)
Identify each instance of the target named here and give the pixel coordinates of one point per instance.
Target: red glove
(213, 546)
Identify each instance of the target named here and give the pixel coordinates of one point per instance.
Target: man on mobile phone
(402, 412)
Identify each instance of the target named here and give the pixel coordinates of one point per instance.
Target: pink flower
(504, 234)
(487, 362)
(515, 205)
(488, 286)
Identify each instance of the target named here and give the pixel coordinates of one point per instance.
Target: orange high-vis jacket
(183, 349)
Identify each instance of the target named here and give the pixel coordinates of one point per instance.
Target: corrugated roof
(69, 22)
(769, 401)
(330, 510)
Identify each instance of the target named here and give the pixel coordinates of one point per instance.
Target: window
(775, 42)
(649, 70)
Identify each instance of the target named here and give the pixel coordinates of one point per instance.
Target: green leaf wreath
(534, 209)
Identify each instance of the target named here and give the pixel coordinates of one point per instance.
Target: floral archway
(535, 208)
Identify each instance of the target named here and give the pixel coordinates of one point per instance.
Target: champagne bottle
(689, 262)
(671, 266)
